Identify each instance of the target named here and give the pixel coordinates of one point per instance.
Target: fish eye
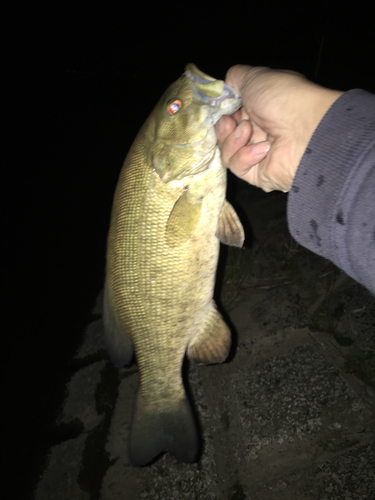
(174, 106)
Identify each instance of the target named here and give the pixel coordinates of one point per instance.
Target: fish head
(180, 134)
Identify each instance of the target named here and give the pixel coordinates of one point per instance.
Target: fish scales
(162, 253)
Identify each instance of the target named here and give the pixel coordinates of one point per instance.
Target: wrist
(314, 105)
(318, 102)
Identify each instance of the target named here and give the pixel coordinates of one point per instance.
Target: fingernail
(261, 147)
(239, 130)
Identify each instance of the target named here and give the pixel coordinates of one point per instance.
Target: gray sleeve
(331, 206)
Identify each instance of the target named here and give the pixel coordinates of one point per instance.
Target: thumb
(236, 75)
(240, 75)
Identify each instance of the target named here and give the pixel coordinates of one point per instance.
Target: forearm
(331, 206)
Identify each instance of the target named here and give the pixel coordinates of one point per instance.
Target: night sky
(80, 83)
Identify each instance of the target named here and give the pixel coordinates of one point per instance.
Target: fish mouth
(212, 92)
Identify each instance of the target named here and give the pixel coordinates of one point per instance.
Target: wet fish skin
(168, 214)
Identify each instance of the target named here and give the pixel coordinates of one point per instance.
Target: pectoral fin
(212, 343)
(183, 219)
(230, 230)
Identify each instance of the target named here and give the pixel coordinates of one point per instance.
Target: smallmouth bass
(168, 217)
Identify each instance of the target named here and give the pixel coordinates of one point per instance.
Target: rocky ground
(290, 415)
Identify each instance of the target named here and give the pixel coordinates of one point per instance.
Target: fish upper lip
(192, 144)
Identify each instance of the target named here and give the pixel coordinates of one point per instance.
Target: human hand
(263, 142)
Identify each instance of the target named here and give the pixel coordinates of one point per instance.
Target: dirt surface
(289, 415)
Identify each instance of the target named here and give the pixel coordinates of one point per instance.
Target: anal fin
(212, 343)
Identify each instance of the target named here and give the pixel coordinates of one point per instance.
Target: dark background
(81, 80)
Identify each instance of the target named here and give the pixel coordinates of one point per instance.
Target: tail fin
(172, 430)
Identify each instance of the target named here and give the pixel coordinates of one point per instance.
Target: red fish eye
(174, 106)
